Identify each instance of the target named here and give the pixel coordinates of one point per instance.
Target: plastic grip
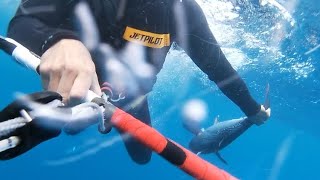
(26, 58)
(9, 143)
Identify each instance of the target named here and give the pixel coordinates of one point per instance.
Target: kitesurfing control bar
(169, 150)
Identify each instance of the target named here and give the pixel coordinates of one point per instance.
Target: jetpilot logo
(145, 38)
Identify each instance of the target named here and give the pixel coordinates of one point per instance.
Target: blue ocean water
(274, 51)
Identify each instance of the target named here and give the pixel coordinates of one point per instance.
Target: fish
(221, 134)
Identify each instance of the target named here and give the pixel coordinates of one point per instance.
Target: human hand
(67, 68)
(38, 117)
(21, 134)
(262, 116)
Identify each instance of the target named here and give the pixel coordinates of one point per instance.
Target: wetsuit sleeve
(38, 24)
(204, 50)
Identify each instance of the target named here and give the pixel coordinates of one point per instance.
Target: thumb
(95, 87)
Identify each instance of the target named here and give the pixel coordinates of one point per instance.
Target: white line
(312, 50)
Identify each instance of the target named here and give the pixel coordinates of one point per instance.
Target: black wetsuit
(155, 24)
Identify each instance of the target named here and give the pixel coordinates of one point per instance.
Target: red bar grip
(192, 164)
(140, 131)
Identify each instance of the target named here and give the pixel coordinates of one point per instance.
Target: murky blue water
(264, 44)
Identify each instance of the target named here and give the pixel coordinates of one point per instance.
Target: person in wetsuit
(46, 27)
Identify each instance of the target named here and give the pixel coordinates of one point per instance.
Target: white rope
(9, 126)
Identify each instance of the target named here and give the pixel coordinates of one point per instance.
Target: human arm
(204, 50)
(46, 28)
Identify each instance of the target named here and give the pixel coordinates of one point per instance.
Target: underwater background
(266, 44)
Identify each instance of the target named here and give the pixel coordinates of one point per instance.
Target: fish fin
(220, 157)
(201, 131)
(198, 153)
(267, 100)
(216, 120)
(220, 142)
